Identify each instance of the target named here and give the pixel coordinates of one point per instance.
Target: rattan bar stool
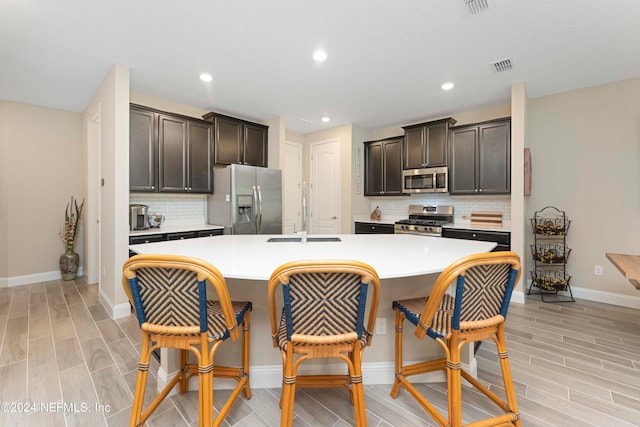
(169, 295)
(323, 316)
(483, 285)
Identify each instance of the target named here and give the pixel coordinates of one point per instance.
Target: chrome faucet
(303, 232)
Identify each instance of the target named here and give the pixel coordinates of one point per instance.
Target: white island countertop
(252, 257)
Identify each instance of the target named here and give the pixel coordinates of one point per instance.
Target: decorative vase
(69, 262)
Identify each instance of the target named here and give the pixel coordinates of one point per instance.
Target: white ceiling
(386, 58)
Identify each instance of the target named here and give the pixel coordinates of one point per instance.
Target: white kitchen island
(407, 264)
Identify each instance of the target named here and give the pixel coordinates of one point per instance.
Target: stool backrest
(168, 291)
(324, 298)
(482, 292)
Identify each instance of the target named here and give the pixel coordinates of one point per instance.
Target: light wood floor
(574, 364)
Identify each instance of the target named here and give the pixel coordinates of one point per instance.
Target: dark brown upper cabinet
(169, 152)
(383, 167)
(425, 144)
(185, 155)
(143, 150)
(239, 141)
(480, 158)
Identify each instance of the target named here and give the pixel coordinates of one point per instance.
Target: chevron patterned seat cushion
(217, 327)
(441, 325)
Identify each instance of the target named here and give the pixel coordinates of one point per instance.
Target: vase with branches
(70, 260)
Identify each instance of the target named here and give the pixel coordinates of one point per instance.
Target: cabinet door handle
(334, 217)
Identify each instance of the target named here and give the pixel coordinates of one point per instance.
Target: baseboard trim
(28, 279)
(117, 311)
(517, 297)
(629, 301)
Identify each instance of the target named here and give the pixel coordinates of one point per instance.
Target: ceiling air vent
(476, 6)
(502, 65)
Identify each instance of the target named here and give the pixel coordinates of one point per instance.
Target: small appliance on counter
(138, 217)
(376, 214)
(155, 219)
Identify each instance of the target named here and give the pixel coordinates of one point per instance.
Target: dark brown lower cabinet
(502, 238)
(373, 228)
(163, 237)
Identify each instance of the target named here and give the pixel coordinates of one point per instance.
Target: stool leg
(205, 383)
(246, 351)
(288, 389)
(398, 362)
(184, 361)
(454, 382)
(506, 375)
(355, 371)
(141, 382)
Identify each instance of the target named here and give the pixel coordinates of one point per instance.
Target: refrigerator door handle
(260, 211)
(255, 207)
(257, 195)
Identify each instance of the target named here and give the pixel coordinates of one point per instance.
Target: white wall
(4, 195)
(42, 167)
(585, 149)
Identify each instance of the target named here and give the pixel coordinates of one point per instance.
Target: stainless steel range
(425, 220)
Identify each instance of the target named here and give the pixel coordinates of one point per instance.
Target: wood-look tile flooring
(574, 364)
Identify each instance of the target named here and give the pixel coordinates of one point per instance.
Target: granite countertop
(253, 257)
(175, 229)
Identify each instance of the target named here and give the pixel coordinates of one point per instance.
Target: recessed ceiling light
(206, 77)
(325, 119)
(320, 55)
(447, 86)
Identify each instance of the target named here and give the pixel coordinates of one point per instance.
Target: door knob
(334, 217)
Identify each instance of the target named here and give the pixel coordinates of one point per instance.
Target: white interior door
(292, 188)
(324, 190)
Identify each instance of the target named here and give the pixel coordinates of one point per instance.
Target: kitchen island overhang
(408, 266)
(254, 257)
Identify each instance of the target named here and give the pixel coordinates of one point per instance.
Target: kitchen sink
(299, 239)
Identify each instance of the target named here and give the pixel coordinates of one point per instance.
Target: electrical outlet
(381, 325)
(597, 270)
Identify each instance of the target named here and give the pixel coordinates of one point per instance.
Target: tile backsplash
(462, 205)
(178, 209)
(191, 209)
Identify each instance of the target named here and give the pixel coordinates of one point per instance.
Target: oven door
(426, 180)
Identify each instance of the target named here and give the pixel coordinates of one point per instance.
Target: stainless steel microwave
(426, 180)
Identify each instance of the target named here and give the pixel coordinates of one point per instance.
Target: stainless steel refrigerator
(246, 200)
